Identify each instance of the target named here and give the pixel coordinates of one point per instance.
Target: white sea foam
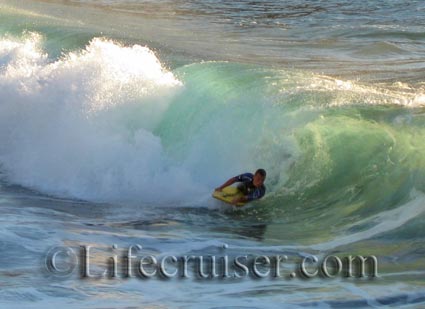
(81, 126)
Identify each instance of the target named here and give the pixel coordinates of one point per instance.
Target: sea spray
(64, 130)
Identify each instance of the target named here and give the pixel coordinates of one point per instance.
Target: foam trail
(386, 221)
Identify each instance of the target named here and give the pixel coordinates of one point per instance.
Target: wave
(111, 123)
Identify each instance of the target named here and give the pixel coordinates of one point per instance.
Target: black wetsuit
(248, 188)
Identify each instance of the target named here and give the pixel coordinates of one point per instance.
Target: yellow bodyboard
(228, 194)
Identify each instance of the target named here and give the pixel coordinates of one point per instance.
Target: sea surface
(119, 118)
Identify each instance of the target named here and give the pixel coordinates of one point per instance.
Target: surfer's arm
(255, 195)
(242, 199)
(231, 181)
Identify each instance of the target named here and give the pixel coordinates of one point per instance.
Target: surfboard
(228, 194)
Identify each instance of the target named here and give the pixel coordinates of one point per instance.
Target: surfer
(251, 185)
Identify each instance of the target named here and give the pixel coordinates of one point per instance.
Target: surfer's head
(259, 177)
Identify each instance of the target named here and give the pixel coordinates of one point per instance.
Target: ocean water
(119, 118)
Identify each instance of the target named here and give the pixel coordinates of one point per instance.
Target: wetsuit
(248, 188)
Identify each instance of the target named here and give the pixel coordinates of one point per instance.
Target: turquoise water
(118, 118)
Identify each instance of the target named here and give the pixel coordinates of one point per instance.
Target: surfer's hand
(218, 189)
